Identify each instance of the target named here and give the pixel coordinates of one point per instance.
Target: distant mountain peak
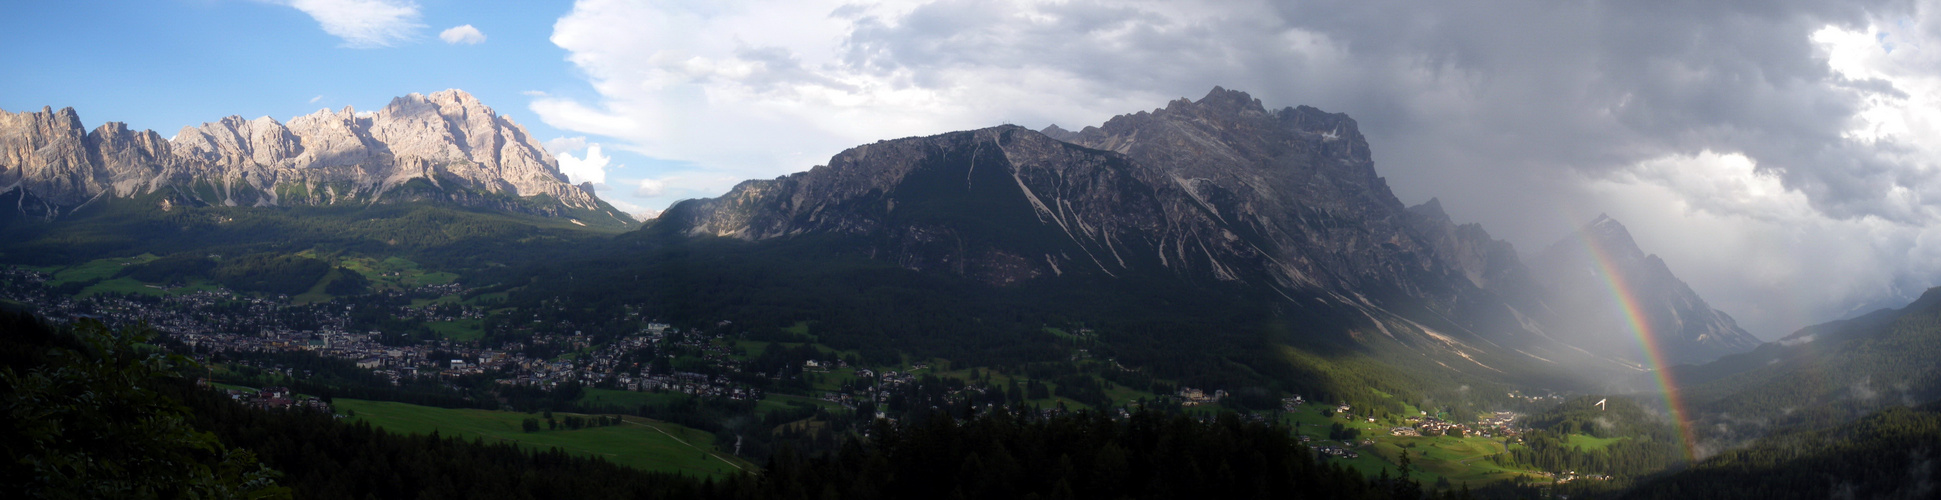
(1694, 330)
(1612, 238)
(1220, 98)
(446, 145)
(1606, 224)
(1431, 209)
(1056, 132)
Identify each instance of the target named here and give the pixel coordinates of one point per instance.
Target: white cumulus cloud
(565, 144)
(363, 23)
(465, 34)
(651, 188)
(591, 167)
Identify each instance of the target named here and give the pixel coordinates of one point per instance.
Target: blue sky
(167, 64)
(170, 63)
(1754, 147)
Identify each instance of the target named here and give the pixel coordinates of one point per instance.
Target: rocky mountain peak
(1431, 209)
(67, 117)
(1613, 239)
(1575, 270)
(47, 152)
(1056, 132)
(1220, 102)
(450, 140)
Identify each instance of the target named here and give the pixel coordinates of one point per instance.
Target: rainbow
(1640, 326)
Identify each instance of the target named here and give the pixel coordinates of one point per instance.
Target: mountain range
(1224, 190)
(1220, 190)
(445, 146)
(1211, 246)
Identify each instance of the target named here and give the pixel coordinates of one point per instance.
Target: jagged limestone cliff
(445, 146)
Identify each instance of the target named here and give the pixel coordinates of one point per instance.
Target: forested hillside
(1827, 375)
(1890, 454)
(441, 235)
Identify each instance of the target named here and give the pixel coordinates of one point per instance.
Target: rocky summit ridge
(446, 145)
(1220, 189)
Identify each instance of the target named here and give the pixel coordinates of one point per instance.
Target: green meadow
(628, 400)
(638, 442)
(1588, 442)
(1460, 460)
(466, 329)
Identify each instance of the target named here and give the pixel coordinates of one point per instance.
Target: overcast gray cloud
(1777, 154)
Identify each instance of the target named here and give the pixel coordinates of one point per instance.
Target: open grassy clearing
(1460, 460)
(638, 442)
(466, 329)
(626, 399)
(395, 272)
(1588, 442)
(773, 402)
(93, 270)
(121, 286)
(316, 293)
(388, 273)
(231, 387)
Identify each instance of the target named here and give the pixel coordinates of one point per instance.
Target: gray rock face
(1002, 204)
(1219, 189)
(1579, 271)
(452, 143)
(48, 153)
(1299, 180)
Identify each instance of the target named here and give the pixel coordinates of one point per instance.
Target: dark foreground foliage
(1081, 455)
(91, 414)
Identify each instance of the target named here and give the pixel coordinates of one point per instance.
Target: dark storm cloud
(1529, 117)
(1508, 86)
(1506, 109)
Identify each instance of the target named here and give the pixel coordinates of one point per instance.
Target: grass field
(640, 443)
(467, 329)
(626, 399)
(131, 286)
(395, 272)
(121, 286)
(94, 269)
(1460, 460)
(631, 399)
(772, 402)
(316, 294)
(230, 387)
(1588, 442)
